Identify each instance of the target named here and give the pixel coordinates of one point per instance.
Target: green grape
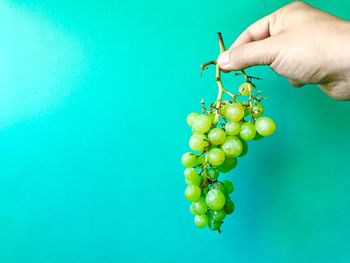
(200, 159)
(246, 109)
(247, 131)
(220, 186)
(205, 191)
(227, 165)
(229, 187)
(200, 206)
(200, 220)
(190, 172)
(265, 126)
(232, 147)
(204, 175)
(214, 225)
(218, 215)
(213, 172)
(216, 156)
(258, 137)
(198, 142)
(216, 136)
(232, 128)
(229, 206)
(245, 148)
(201, 124)
(189, 159)
(190, 118)
(212, 117)
(192, 177)
(191, 210)
(235, 112)
(192, 193)
(257, 109)
(246, 88)
(224, 104)
(215, 199)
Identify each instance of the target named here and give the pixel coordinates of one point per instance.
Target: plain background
(93, 100)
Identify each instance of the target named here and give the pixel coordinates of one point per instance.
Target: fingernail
(224, 59)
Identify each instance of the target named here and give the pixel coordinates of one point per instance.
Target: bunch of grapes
(219, 138)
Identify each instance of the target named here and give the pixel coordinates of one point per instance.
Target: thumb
(262, 52)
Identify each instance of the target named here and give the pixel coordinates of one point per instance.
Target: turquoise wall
(93, 100)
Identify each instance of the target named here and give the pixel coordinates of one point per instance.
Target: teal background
(93, 100)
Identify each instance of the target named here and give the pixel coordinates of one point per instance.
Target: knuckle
(297, 4)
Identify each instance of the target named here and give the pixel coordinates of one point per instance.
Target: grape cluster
(220, 136)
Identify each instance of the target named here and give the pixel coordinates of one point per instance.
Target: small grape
(200, 206)
(229, 187)
(232, 147)
(227, 165)
(216, 136)
(191, 210)
(224, 104)
(229, 206)
(212, 117)
(220, 186)
(188, 182)
(192, 177)
(215, 199)
(214, 172)
(232, 128)
(235, 112)
(200, 159)
(246, 88)
(265, 126)
(246, 109)
(198, 142)
(245, 148)
(218, 215)
(200, 220)
(257, 109)
(258, 137)
(192, 193)
(189, 159)
(247, 131)
(189, 172)
(190, 118)
(201, 124)
(214, 225)
(205, 191)
(204, 175)
(216, 156)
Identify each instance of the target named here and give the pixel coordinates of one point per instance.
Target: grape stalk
(220, 135)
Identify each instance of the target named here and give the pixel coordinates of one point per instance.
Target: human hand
(299, 42)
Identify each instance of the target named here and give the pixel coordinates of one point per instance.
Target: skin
(299, 42)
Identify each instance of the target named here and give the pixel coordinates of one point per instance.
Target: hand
(299, 42)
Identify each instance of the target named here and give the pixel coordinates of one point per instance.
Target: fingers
(251, 47)
(257, 31)
(262, 52)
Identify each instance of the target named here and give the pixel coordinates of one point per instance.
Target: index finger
(259, 30)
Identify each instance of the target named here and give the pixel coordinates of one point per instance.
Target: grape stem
(246, 76)
(221, 89)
